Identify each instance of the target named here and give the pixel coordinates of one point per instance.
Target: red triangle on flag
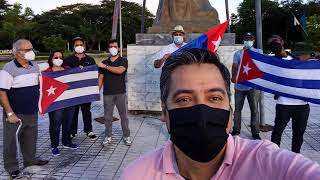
(215, 36)
(51, 89)
(248, 70)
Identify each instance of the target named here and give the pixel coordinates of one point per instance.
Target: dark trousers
(87, 118)
(299, 115)
(120, 101)
(27, 138)
(57, 118)
(252, 97)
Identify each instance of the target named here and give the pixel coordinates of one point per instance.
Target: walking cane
(22, 176)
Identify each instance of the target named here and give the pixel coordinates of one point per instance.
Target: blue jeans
(57, 118)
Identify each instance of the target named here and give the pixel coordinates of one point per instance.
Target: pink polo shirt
(244, 160)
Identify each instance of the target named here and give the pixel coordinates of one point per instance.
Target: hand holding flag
(210, 40)
(289, 78)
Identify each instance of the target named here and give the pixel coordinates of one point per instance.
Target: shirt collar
(169, 159)
(16, 62)
(228, 156)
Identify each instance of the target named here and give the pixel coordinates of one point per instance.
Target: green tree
(4, 6)
(17, 24)
(313, 29)
(54, 42)
(245, 21)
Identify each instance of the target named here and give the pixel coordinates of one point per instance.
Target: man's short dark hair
(113, 41)
(189, 57)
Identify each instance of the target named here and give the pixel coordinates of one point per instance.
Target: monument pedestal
(143, 86)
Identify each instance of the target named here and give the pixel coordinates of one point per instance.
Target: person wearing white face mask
(178, 35)
(60, 117)
(81, 59)
(241, 91)
(19, 96)
(112, 74)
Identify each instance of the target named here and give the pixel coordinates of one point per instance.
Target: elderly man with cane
(19, 95)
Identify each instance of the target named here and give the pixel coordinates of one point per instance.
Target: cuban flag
(67, 88)
(296, 79)
(210, 40)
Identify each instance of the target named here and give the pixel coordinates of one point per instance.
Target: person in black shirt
(112, 74)
(80, 59)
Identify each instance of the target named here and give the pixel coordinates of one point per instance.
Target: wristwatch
(312, 54)
(10, 114)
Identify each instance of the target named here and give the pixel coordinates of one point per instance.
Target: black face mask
(199, 131)
(276, 48)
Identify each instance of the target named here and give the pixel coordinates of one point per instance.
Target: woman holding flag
(62, 116)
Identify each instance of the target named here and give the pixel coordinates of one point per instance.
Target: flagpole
(260, 46)
(142, 16)
(115, 19)
(120, 19)
(227, 13)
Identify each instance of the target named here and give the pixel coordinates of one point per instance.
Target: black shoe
(235, 133)
(91, 135)
(72, 136)
(256, 136)
(41, 162)
(14, 174)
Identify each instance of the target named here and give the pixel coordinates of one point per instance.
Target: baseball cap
(77, 38)
(275, 38)
(248, 35)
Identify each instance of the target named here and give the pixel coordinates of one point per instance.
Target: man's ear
(164, 113)
(230, 122)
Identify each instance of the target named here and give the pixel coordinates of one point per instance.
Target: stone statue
(196, 16)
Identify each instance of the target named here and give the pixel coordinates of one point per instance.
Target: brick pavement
(92, 161)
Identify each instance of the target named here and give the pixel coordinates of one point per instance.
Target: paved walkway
(92, 161)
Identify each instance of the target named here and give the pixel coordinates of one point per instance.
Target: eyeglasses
(57, 57)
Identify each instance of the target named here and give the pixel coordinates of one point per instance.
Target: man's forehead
(78, 42)
(190, 76)
(25, 44)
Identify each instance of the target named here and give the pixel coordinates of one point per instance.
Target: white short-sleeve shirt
(169, 49)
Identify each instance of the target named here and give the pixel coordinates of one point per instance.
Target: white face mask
(57, 62)
(248, 44)
(178, 39)
(30, 55)
(79, 49)
(113, 51)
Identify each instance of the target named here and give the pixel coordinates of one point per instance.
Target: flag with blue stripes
(296, 79)
(209, 40)
(67, 88)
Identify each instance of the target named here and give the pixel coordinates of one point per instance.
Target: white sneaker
(107, 141)
(127, 141)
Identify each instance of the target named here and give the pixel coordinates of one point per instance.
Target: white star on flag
(216, 44)
(246, 69)
(51, 90)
